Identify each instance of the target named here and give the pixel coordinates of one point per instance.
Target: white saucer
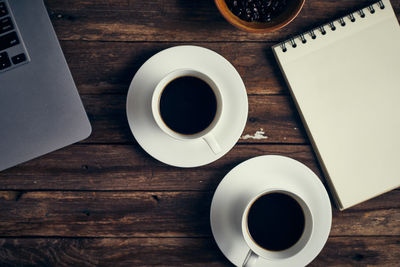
(252, 177)
(161, 146)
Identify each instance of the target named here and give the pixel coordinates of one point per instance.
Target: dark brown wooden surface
(104, 201)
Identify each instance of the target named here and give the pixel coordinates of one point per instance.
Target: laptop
(40, 108)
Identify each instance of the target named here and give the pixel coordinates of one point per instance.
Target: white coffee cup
(256, 251)
(206, 134)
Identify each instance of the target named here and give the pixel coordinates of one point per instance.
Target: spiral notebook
(344, 77)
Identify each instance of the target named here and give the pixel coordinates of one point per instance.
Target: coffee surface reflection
(188, 105)
(275, 221)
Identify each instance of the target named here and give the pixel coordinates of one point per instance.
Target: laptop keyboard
(12, 50)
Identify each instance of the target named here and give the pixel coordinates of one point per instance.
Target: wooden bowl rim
(241, 24)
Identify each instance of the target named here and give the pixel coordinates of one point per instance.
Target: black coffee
(276, 221)
(188, 105)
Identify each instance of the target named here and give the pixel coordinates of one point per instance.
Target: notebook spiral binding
(331, 25)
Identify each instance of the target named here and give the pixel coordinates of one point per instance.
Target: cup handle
(212, 143)
(250, 259)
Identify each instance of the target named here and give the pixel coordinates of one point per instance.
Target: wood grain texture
(275, 115)
(128, 167)
(106, 202)
(111, 252)
(108, 67)
(359, 251)
(354, 251)
(177, 20)
(156, 214)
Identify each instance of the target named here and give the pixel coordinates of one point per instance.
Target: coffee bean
(256, 10)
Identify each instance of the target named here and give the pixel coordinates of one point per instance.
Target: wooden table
(104, 201)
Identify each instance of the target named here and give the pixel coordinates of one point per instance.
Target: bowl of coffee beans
(259, 16)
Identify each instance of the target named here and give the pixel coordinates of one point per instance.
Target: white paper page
(347, 87)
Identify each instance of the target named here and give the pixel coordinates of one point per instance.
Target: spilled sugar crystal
(258, 135)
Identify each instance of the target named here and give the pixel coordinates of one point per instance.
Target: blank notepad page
(346, 85)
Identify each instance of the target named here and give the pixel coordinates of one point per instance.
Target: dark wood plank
(156, 214)
(275, 115)
(339, 251)
(111, 252)
(179, 20)
(359, 251)
(128, 167)
(108, 67)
